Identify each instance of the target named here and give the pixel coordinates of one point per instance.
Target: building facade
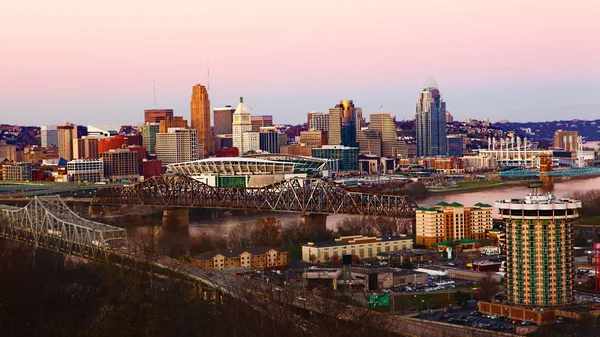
(269, 140)
(223, 120)
(369, 142)
(318, 121)
(121, 165)
(342, 124)
(49, 135)
(66, 133)
(346, 155)
(85, 147)
(313, 137)
(200, 118)
(250, 141)
(157, 115)
(8, 151)
(455, 145)
(364, 247)
(172, 122)
(452, 222)
(243, 258)
(17, 172)
(539, 264)
(567, 140)
(431, 121)
(149, 131)
(177, 145)
(261, 122)
(241, 124)
(81, 170)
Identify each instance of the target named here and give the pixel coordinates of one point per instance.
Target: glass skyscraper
(431, 121)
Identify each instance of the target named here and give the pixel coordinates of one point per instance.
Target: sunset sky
(94, 62)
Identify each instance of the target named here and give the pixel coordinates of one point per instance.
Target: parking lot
(475, 319)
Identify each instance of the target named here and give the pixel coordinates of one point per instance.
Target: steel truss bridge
(306, 195)
(47, 222)
(570, 172)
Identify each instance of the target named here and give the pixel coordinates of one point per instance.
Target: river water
(204, 221)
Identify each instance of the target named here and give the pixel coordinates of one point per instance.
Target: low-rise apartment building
(363, 247)
(242, 258)
(452, 222)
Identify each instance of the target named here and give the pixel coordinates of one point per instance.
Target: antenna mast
(154, 89)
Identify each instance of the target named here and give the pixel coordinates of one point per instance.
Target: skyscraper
(66, 133)
(200, 116)
(49, 135)
(431, 121)
(149, 131)
(342, 124)
(241, 124)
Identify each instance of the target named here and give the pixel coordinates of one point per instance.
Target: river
(203, 221)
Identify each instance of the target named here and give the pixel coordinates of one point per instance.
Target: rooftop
(541, 199)
(232, 252)
(354, 240)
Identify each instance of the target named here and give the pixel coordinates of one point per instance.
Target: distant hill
(589, 129)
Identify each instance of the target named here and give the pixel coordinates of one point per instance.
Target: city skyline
(95, 65)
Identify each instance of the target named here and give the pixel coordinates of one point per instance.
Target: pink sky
(95, 63)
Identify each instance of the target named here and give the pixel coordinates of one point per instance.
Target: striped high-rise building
(539, 250)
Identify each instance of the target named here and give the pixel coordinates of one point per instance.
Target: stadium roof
(232, 166)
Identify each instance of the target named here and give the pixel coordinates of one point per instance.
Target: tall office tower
(431, 121)
(66, 133)
(261, 122)
(342, 124)
(157, 115)
(178, 145)
(85, 147)
(200, 115)
(318, 121)
(149, 132)
(241, 124)
(539, 261)
(172, 122)
(49, 135)
(385, 126)
(449, 118)
(223, 120)
(121, 165)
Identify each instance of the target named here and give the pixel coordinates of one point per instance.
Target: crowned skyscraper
(431, 121)
(241, 124)
(342, 124)
(200, 117)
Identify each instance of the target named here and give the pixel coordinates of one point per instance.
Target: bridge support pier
(314, 220)
(175, 217)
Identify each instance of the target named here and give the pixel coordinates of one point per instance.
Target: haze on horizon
(94, 63)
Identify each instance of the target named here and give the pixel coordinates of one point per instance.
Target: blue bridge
(570, 172)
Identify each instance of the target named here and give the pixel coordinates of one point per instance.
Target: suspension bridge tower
(545, 169)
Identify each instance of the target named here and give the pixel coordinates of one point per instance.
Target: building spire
(241, 99)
